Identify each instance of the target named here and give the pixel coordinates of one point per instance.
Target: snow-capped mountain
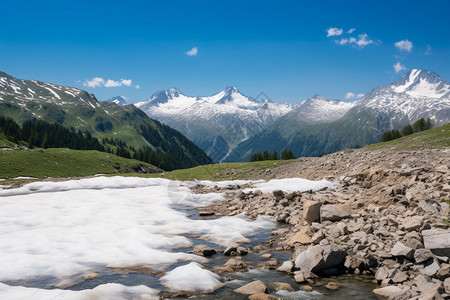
(319, 126)
(216, 123)
(417, 94)
(318, 110)
(119, 100)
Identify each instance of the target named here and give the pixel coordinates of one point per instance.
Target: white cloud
(362, 40)
(428, 52)
(333, 31)
(359, 42)
(350, 30)
(97, 81)
(404, 45)
(100, 82)
(399, 67)
(112, 83)
(137, 86)
(353, 95)
(343, 41)
(192, 52)
(126, 82)
(349, 95)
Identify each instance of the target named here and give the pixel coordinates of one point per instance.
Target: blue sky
(290, 50)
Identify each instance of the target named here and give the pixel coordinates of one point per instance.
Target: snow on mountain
(119, 100)
(417, 94)
(321, 110)
(227, 114)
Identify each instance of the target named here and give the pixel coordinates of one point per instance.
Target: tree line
(177, 153)
(285, 155)
(417, 126)
(41, 134)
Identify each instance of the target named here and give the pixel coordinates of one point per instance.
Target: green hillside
(65, 163)
(433, 138)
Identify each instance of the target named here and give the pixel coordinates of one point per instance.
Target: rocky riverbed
(387, 217)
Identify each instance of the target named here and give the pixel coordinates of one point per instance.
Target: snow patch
(192, 278)
(84, 225)
(101, 292)
(289, 185)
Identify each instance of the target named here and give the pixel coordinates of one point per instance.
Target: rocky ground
(388, 218)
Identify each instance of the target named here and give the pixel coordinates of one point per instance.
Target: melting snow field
(60, 229)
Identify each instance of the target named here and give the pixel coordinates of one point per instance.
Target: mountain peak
(173, 93)
(119, 100)
(231, 89)
(421, 83)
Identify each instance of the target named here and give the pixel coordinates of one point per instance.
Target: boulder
(236, 264)
(332, 212)
(303, 236)
(233, 251)
(412, 223)
(332, 285)
(286, 266)
(437, 240)
(283, 286)
(382, 273)
(444, 272)
(204, 250)
(431, 269)
(311, 211)
(387, 291)
(252, 288)
(400, 249)
(422, 255)
(399, 277)
(320, 257)
(429, 205)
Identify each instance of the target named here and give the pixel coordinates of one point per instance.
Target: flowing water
(356, 287)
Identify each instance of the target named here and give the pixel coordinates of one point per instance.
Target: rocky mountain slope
(30, 99)
(216, 123)
(388, 217)
(417, 94)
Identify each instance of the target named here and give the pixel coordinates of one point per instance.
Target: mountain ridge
(24, 100)
(387, 107)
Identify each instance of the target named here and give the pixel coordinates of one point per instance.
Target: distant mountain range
(217, 123)
(417, 94)
(230, 126)
(30, 99)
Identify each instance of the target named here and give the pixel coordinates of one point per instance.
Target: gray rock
(252, 288)
(430, 206)
(311, 211)
(331, 212)
(382, 273)
(444, 272)
(204, 250)
(431, 269)
(286, 266)
(401, 250)
(437, 240)
(399, 277)
(320, 257)
(412, 223)
(422, 255)
(387, 291)
(447, 285)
